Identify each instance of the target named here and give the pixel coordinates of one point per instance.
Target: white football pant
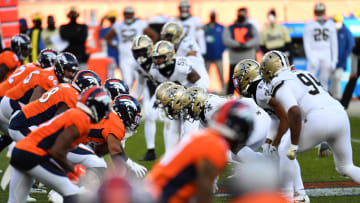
(336, 132)
(321, 63)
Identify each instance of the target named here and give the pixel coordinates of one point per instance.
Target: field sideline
(313, 169)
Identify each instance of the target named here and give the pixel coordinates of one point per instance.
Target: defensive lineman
(308, 105)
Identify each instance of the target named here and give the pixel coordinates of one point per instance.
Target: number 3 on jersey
(310, 81)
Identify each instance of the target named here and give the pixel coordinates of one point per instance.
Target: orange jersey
(47, 105)
(45, 78)
(11, 61)
(173, 178)
(40, 141)
(17, 76)
(111, 125)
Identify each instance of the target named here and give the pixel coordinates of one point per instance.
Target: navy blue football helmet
(21, 45)
(66, 61)
(46, 58)
(129, 110)
(95, 102)
(116, 87)
(85, 79)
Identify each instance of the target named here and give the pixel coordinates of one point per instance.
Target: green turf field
(312, 167)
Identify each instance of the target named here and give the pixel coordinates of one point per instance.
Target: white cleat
(55, 197)
(301, 198)
(30, 199)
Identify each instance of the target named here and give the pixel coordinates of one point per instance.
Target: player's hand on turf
(138, 169)
(291, 152)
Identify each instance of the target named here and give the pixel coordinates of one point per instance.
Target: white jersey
(143, 77)
(193, 29)
(187, 45)
(179, 75)
(183, 66)
(212, 104)
(321, 39)
(300, 88)
(127, 32)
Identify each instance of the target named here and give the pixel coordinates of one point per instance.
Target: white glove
(291, 152)
(273, 152)
(266, 149)
(138, 169)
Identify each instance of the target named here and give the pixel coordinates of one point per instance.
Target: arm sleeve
(200, 36)
(228, 40)
(255, 41)
(284, 95)
(307, 40)
(334, 46)
(139, 88)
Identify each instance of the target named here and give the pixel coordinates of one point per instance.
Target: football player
(55, 101)
(108, 134)
(307, 105)
(192, 25)
(321, 45)
(248, 82)
(190, 168)
(36, 83)
(20, 48)
(126, 32)
(42, 154)
(184, 46)
(142, 51)
(45, 59)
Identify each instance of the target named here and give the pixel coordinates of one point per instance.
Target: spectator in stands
(35, 37)
(214, 45)
(50, 31)
(111, 51)
(345, 46)
(275, 36)
(76, 35)
(242, 40)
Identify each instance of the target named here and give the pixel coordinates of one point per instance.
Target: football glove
(79, 171)
(291, 152)
(138, 169)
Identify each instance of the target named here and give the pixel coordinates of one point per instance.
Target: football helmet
(128, 109)
(46, 58)
(193, 103)
(129, 15)
(319, 9)
(272, 64)
(95, 102)
(172, 32)
(246, 72)
(116, 87)
(171, 101)
(85, 79)
(66, 61)
(142, 47)
(184, 9)
(160, 90)
(234, 120)
(163, 54)
(21, 45)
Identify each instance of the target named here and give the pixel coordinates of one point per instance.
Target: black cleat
(324, 150)
(5, 140)
(149, 156)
